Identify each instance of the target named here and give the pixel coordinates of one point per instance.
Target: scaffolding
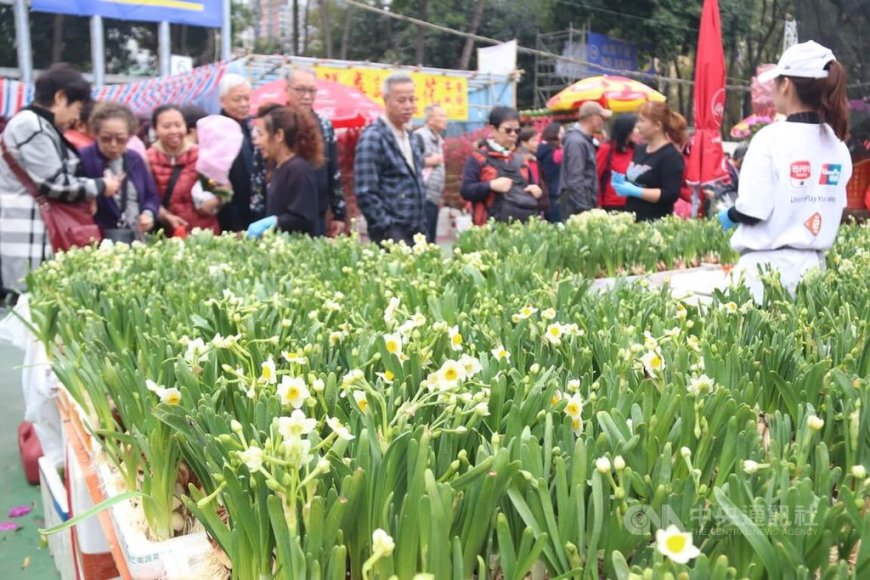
(552, 74)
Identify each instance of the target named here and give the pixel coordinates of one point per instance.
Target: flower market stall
(326, 409)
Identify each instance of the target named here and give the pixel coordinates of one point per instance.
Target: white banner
(500, 59)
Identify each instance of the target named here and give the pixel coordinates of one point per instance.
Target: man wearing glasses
(579, 179)
(388, 169)
(301, 92)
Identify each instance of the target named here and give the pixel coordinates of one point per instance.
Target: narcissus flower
(455, 338)
(292, 391)
(387, 376)
(297, 451)
(252, 457)
(602, 464)
(700, 385)
(361, 400)
(554, 333)
(676, 545)
(500, 353)
(815, 422)
(268, 372)
(450, 374)
(339, 429)
(171, 396)
(470, 365)
(296, 425)
(653, 363)
(382, 543)
(574, 408)
(751, 467)
(393, 342)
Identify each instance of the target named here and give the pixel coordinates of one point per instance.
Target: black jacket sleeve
(672, 177)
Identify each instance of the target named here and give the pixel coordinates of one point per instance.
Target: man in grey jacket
(434, 174)
(579, 179)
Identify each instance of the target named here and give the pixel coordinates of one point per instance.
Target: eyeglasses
(302, 91)
(511, 130)
(113, 139)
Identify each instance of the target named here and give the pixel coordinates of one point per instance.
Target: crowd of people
(277, 168)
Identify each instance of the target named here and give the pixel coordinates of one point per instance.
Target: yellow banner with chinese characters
(449, 92)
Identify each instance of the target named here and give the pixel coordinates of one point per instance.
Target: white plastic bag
(38, 382)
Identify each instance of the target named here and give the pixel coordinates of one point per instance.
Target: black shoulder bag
(167, 195)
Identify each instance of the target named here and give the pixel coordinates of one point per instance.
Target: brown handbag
(68, 225)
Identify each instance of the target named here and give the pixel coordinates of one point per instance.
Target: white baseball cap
(805, 60)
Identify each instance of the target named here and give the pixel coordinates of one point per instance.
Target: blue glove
(624, 188)
(725, 221)
(259, 227)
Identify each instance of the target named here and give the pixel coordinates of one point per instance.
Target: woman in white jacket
(793, 180)
(34, 140)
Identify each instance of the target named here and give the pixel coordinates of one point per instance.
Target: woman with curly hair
(291, 143)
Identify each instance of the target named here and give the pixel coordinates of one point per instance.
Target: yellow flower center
(389, 375)
(293, 393)
(173, 399)
(555, 331)
(392, 347)
(572, 409)
(363, 404)
(676, 543)
(656, 362)
(554, 400)
(457, 339)
(575, 424)
(267, 372)
(450, 374)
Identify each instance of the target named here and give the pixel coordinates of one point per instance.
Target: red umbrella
(706, 160)
(345, 106)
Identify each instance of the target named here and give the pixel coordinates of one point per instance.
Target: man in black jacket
(245, 174)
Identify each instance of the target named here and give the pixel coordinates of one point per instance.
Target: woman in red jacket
(172, 159)
(615, 156)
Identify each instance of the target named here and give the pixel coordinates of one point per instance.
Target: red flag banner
(706, 159)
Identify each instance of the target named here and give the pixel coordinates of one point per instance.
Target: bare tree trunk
(295, 27)
(57, 39)
(345, 34)
(325, 27)
(305, 31)
(472, 29)
(421, 33)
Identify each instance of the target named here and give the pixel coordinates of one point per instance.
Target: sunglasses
(511, 130)
(110, 139)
